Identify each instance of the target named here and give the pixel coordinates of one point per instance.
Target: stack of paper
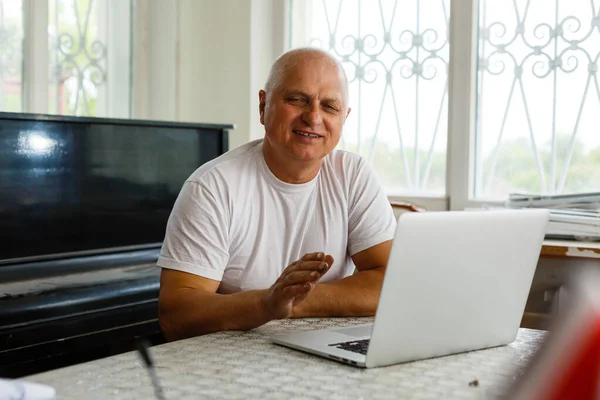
(586, 201)
(572, 216)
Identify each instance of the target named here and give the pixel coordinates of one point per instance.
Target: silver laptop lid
(456, 281)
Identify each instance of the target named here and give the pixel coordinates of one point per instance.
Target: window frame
(36, 56)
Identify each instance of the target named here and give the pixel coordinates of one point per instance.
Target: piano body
(84, 204)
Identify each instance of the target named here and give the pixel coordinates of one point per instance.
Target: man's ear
(347, 113)
(262, 98)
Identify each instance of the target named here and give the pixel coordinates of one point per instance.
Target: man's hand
(295, 283)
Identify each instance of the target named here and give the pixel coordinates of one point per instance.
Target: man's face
(304, 114)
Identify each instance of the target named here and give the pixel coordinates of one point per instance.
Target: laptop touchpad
(356, 331)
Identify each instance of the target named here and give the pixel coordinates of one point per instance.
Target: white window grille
(395, 55)
(497, 99)
(539, 97)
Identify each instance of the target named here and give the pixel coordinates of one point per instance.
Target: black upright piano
(84, 204)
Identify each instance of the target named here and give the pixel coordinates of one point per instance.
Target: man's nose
(312, 115)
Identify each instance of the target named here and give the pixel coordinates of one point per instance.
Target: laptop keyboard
(355, 346)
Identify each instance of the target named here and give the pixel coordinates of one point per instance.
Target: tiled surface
(243, 365)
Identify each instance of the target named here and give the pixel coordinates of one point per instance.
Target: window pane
(83, 36)
(539, 97)
(11, 37)
(395, 54)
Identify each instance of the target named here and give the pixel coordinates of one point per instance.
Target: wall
(206, 60)
(154, 64)
(226, 50)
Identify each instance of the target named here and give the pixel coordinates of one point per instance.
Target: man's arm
(188, 305)
(356, 295)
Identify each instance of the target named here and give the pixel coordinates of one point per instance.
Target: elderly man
(275, 228)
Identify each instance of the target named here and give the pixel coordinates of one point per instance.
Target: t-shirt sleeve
(371, 219)
(196, 239)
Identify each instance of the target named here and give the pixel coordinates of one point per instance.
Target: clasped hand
(295, 283)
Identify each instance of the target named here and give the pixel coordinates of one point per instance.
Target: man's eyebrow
(331, 100)
(304, 94)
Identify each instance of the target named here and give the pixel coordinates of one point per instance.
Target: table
(242, 365)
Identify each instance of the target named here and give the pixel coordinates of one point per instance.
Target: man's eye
(331, 108)
(295, 100)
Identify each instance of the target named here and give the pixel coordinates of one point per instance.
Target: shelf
(534, 320)
(571, 249)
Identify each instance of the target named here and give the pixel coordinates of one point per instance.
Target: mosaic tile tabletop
(246, 365)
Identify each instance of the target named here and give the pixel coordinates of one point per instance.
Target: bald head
(304, 56)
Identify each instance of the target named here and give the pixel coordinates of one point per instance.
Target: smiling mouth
(306, 134)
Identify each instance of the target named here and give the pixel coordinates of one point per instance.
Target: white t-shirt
(235, 222)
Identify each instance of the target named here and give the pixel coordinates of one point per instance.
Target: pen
(143, 348)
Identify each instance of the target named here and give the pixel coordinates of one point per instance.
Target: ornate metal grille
(538, 97)
(79, 67)
(11, 35)
(396, 56)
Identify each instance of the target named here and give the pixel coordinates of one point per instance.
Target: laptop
(455, 281)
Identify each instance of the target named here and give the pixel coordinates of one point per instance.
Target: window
(67, 57)
(395, 55)
(538, 97)
(11, 37)
(500, 98)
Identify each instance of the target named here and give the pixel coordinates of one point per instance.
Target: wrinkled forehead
(319, 80)
(316, 74)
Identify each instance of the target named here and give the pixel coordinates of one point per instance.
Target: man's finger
(288, 268)
(329, 260)
(313, 256)
(318, 257)
(297, 290)
(314, 265)
(296, 277)
(320, 266)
